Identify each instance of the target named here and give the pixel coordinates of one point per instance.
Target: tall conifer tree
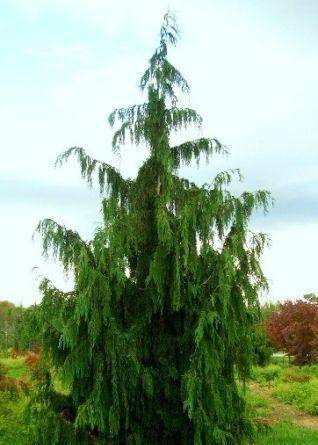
(157, 329)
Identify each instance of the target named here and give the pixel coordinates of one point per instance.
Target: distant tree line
(18, 327)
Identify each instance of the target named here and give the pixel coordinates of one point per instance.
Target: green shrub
(267, 374)
(311, 370)
(15, 366)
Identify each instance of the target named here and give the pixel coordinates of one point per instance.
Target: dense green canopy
(158, 326)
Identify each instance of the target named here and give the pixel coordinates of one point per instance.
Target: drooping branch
(53, 303)
(135, 131)
(130, 114)
(65, 244)
(224, 178)
(214, 211)
(108, 177)
(190, 150)
(177, 118)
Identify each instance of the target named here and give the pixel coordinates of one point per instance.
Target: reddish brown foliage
(32, 360)
(293, 328)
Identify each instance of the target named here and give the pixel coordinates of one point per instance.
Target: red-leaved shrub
(293, 328)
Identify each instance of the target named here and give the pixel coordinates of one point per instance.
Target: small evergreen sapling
(159, 322)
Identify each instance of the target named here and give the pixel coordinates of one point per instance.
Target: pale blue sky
(65, 64)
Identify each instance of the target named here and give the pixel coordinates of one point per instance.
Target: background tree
(266, 311)
(312, 298)
(293, 329)
(11, 317)
(7, 319)
(159, 322)
(18, 327)
(29, 329)
(262, 349)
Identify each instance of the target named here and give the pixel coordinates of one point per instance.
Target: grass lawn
(290, 384)
(285, 397)
(287, 434)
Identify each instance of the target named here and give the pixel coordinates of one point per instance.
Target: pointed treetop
(169, 31)
(161, 75)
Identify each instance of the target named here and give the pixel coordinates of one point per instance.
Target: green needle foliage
(158, 326)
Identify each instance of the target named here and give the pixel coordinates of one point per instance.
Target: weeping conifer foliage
(158, 327)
